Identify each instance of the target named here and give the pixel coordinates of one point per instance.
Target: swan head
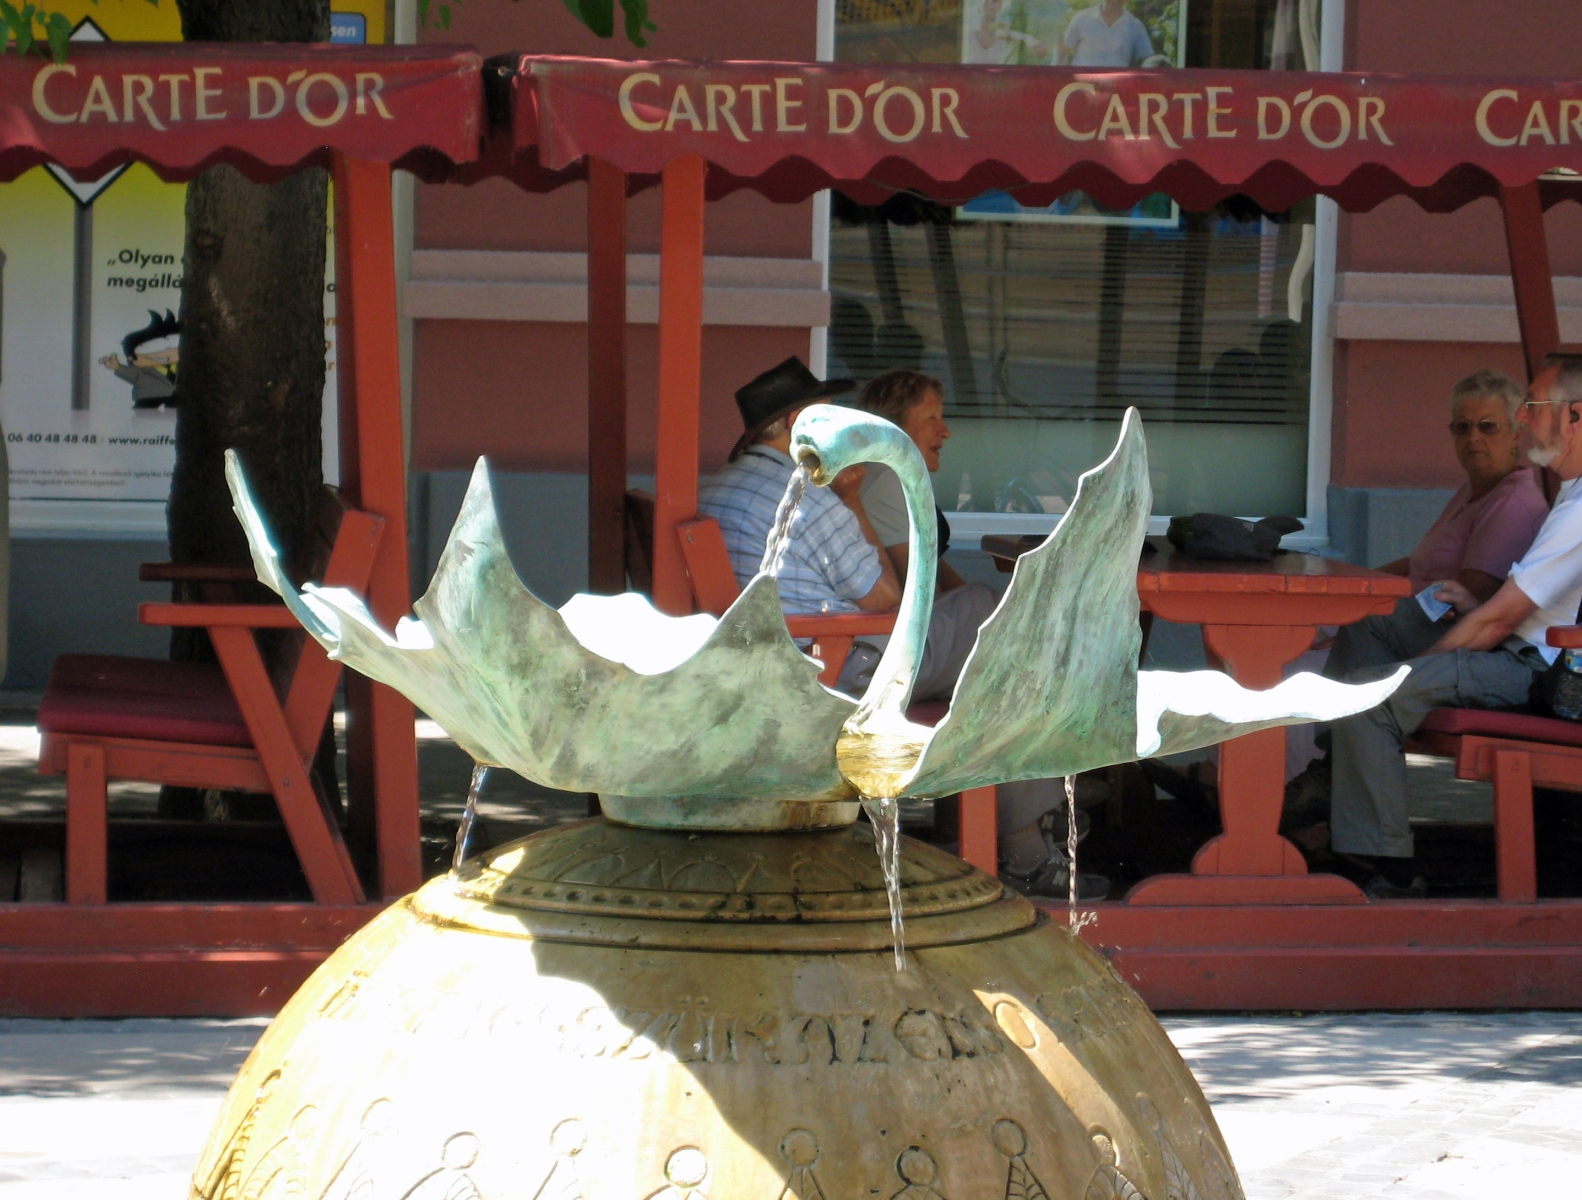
(827, 439)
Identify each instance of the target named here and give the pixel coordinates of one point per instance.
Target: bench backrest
(714, 585)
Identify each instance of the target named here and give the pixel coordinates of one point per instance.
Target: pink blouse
(1489, 534)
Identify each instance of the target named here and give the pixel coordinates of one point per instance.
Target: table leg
(1250, 863)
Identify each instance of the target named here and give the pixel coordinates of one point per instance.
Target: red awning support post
(680, 375)
(1530, 273)
(606, 377)
(382, 748)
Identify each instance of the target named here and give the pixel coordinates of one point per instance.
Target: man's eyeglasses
(1531, 404)
(1486, 428)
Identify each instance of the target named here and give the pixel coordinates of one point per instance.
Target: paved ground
(1410, 1107)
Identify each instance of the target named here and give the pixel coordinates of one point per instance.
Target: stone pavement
(1431, 1106)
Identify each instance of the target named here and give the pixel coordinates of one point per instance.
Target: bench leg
(1516, 866)
(87, 825)
(314, 834)
(832, 652)
(980, 836)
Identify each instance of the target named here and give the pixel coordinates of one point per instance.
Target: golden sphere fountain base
(612, 1013)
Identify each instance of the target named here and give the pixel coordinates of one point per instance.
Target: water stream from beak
(469, 814)
(780, 532)
(885, 815)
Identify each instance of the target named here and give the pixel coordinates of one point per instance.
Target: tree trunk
(251, 376)
(252, 317)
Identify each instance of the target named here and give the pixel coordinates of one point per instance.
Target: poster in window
(90, 338)
(1095, 34)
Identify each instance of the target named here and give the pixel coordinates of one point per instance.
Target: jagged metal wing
(743, 716)
(1052, 688)
(1186, 710)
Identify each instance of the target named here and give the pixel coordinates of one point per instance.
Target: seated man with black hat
(834, 562)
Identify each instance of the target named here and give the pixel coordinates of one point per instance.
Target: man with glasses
(1487, 659)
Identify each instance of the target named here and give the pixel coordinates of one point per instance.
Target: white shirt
(1092, 43)
(1550, 573)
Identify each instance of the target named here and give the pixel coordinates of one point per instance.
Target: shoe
(1054, 825)
(1307, 796)
(1051, 879)
(1380, 888)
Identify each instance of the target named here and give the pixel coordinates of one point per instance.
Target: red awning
(954, 132)
(266, 109)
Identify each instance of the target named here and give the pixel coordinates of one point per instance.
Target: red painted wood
(176, 982)
(1357, 977)
(87, 825)
(980, 829)
(708, 563)
(176, 763)
(314, 835)
(1265, 608)
(680, 375)
(1388, 954)
(156, 927)
(606, 378)
(832, 652)
(236, 616)
(312, 691)
(164, 960)
(1530, 273)
(1214, 888)
(383, 762)
(1514, 853)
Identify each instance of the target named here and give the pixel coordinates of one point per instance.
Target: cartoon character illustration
(152, 353)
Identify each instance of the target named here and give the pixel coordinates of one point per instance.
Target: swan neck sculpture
(878, 744)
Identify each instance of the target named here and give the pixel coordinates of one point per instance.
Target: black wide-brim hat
(776, 392)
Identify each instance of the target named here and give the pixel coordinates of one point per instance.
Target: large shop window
(1045, 324)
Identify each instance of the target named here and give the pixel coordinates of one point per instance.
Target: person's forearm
(1399, 566)
(1489, 624)
(886, 567)
(1475, 631)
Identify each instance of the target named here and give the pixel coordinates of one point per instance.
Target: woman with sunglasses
(1485, 528)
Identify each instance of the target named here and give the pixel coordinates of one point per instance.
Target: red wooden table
(1256, 618)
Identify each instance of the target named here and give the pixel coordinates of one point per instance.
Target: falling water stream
(780, 532)
(469, 814)
(1071, 849)
(885, 816)
(1074, 922)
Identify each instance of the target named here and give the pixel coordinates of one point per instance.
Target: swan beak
(808, 459)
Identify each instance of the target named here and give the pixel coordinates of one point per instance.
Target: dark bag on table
(1218, 538)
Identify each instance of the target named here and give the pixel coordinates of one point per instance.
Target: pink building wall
(518, 390)
(1390, 396)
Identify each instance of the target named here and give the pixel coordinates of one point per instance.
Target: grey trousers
(952, 632)
(1368, 807)
(1376, 641)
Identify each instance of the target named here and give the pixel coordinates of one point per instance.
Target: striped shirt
(828, 563)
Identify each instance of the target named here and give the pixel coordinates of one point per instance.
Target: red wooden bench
(201, 725)
(1513, 751)
(714, 588)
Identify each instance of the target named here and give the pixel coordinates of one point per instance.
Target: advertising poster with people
(90, 329)
(1096, 34)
